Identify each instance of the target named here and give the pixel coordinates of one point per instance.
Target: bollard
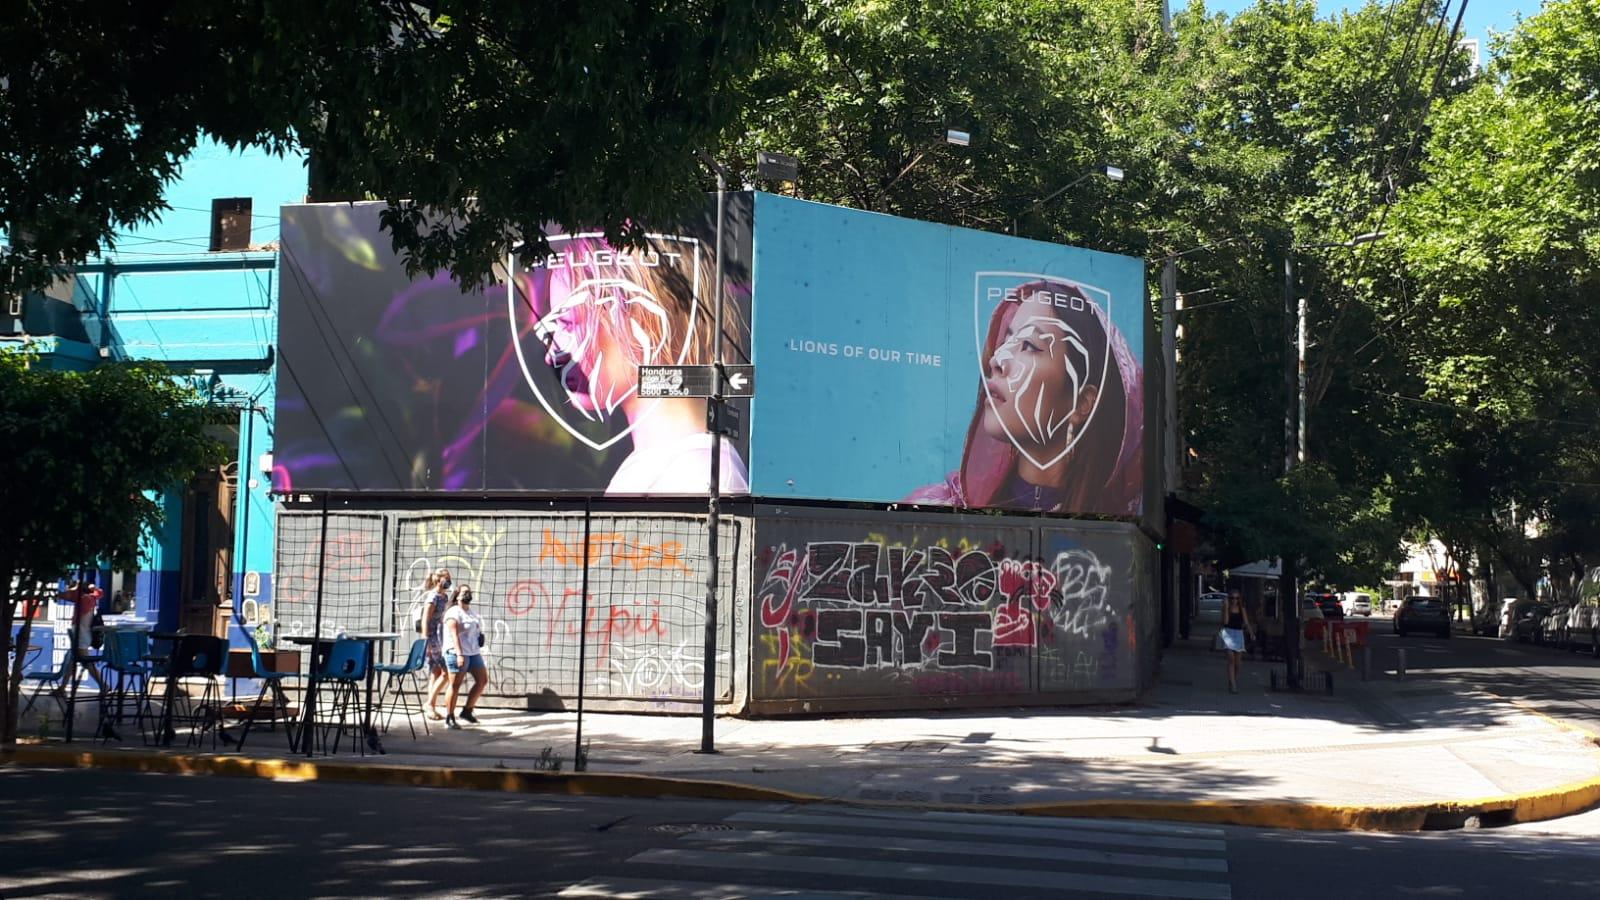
(1366, 663)
(1400, 670)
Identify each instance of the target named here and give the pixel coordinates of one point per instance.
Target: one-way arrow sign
(739, 381)
(695, 381)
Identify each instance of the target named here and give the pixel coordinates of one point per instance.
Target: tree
(85, 452)
(519, 113)
(1499, 243)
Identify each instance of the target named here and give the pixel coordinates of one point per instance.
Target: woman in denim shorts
(463, 653)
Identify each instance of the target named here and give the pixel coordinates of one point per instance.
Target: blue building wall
(160, 294)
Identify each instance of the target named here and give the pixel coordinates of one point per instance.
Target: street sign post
(695, 381)
(723, 419)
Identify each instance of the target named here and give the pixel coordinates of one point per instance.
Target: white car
(1357, 604)
(1211, 604)
(1583, 628)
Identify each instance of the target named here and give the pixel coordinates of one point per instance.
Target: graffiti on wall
(636, 634)
(637, 628)
(949, 614)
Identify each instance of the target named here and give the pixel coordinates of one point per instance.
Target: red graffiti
(776, 598)
(638, 619)
(1013, 625)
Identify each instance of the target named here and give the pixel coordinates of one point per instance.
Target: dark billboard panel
(388, 383)
(903, 361)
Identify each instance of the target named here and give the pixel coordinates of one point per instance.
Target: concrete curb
(1508, 809)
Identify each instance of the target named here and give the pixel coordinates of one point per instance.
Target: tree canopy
(1449, 390)
(85, 454)
(519, 113)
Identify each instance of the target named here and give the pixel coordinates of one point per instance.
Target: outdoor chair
(401, 675)
(126, 657)
(196, 656)
(55, 681)
(343, 675)
(273, 682)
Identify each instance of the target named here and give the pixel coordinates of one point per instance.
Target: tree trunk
(11, 677)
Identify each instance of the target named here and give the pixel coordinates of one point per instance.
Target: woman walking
(1235, 623)
(463, 636)
(436, 599)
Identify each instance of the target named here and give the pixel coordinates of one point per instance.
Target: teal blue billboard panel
(904, 361)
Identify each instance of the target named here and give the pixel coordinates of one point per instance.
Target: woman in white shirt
(463, 653)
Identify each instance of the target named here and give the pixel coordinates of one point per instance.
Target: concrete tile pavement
(1188, 741)
(1378, 742)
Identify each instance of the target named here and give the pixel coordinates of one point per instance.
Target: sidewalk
(1188, 744)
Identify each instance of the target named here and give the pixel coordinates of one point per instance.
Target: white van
(1356, 603)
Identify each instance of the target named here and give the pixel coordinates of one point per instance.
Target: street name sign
(695, 381)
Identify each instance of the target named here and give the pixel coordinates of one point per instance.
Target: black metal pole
(708, 676)
(579, 758)
(1288, 592)
(316, 634)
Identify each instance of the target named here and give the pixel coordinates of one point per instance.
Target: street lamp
(1109, 172)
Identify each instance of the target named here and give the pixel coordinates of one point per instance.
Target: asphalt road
(110, 834)
(1560, 683)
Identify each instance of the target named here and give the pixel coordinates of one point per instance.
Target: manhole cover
(687, 827)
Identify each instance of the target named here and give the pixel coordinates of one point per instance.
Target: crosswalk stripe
(923, 845)
(652, 889)
(1131, 826)
(935, 826)
(901, 871)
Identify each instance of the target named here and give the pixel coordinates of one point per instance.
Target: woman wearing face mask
(463, 632)
(436, 598)
(597, 314)
(1059, 414)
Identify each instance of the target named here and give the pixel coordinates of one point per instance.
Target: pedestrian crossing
(810, 852)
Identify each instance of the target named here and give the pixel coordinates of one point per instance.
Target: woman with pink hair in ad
(598, 314)
(1058, 421)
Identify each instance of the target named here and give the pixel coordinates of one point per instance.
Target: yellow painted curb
(511, 780)
(1534, 806)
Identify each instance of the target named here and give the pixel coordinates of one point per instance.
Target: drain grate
(689, 827)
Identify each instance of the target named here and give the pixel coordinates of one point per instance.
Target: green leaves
(524, 114)
(85, 449)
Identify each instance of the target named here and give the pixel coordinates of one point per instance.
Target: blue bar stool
(270, 681)
(400, 676)
(344, 673)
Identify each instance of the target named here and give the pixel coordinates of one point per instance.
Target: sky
(1483, 16)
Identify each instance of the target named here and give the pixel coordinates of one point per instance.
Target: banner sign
(386, 383)
(902, 361)
(921, 363)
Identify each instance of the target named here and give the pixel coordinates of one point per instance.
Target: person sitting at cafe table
(463, 641)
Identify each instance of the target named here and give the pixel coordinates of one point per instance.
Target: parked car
(1328, 603)
(1423, 614)
(1582, 631)
(1529, 625)
(1553, 630)
(1211, 603)
(1357, 604)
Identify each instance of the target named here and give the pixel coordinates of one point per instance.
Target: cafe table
(320, 646)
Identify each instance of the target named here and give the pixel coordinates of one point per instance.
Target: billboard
(388, 383)
(904, 361)
(898, 362)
